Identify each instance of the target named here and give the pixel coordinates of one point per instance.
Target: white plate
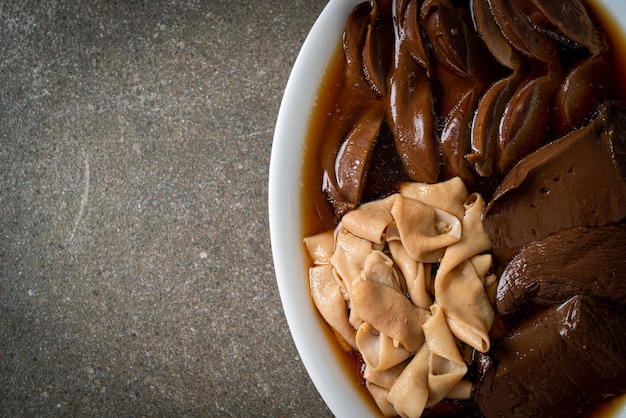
(327, 372)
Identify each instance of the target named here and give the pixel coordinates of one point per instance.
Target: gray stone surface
(135, 267)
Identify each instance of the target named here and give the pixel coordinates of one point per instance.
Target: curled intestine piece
(320, 247)
(410, 106)
(389, 311)
(446, 368)
(330, 303)
(524, 124)
(357, 116)
(379, 268)
(459, 285)
(381, 299)
(482, 264)
(409, 220)
(576, 99)
(378, 350)
(419, 228)
(571, 20)
(469, 314)
(416, 274)
(349, 257)
(447, 195)
(370, 220)
(434, 371)
(473, 240)
(409, 394)
(379, 394)
(460, 76)
(384, 378)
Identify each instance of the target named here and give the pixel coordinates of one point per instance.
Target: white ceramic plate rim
(336, 388)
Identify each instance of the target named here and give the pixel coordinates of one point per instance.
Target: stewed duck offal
(487, 279)
(467, 89)
(556, 223)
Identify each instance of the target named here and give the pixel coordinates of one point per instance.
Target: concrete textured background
(135, 265)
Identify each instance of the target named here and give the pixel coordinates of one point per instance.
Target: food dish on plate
(462, 109)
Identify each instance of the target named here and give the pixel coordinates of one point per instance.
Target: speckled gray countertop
(135, 264)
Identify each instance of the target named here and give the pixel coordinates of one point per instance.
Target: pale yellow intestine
(405, 324)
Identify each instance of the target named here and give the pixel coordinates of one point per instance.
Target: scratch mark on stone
(257, 133)
(83, 200)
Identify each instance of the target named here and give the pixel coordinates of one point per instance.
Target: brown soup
(318, 215)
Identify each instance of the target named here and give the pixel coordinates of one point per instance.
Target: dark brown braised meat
(567, 21)
(562, 295)
(523, 124)
(578, 180)
(576, 98)
(578, 261)
(410, 105)
(465, 89)
(558, 363)
(357, 116)
(461, 71)
(486, 123)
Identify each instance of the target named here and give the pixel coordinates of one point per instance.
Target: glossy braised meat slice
(376, 51)
(410, 103)
(558, 363)
(461, 72)
(577, 99)
(513, 119)
(358, 115)
(512, 17)
(568, 21)
(486, 123)
(578, 261)
(578, 180)
(525, 121)
(546, 95)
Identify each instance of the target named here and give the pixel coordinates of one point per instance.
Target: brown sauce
(318, 215)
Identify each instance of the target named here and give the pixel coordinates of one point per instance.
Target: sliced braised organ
(578, 180)
(557, 363)
(577, 261)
